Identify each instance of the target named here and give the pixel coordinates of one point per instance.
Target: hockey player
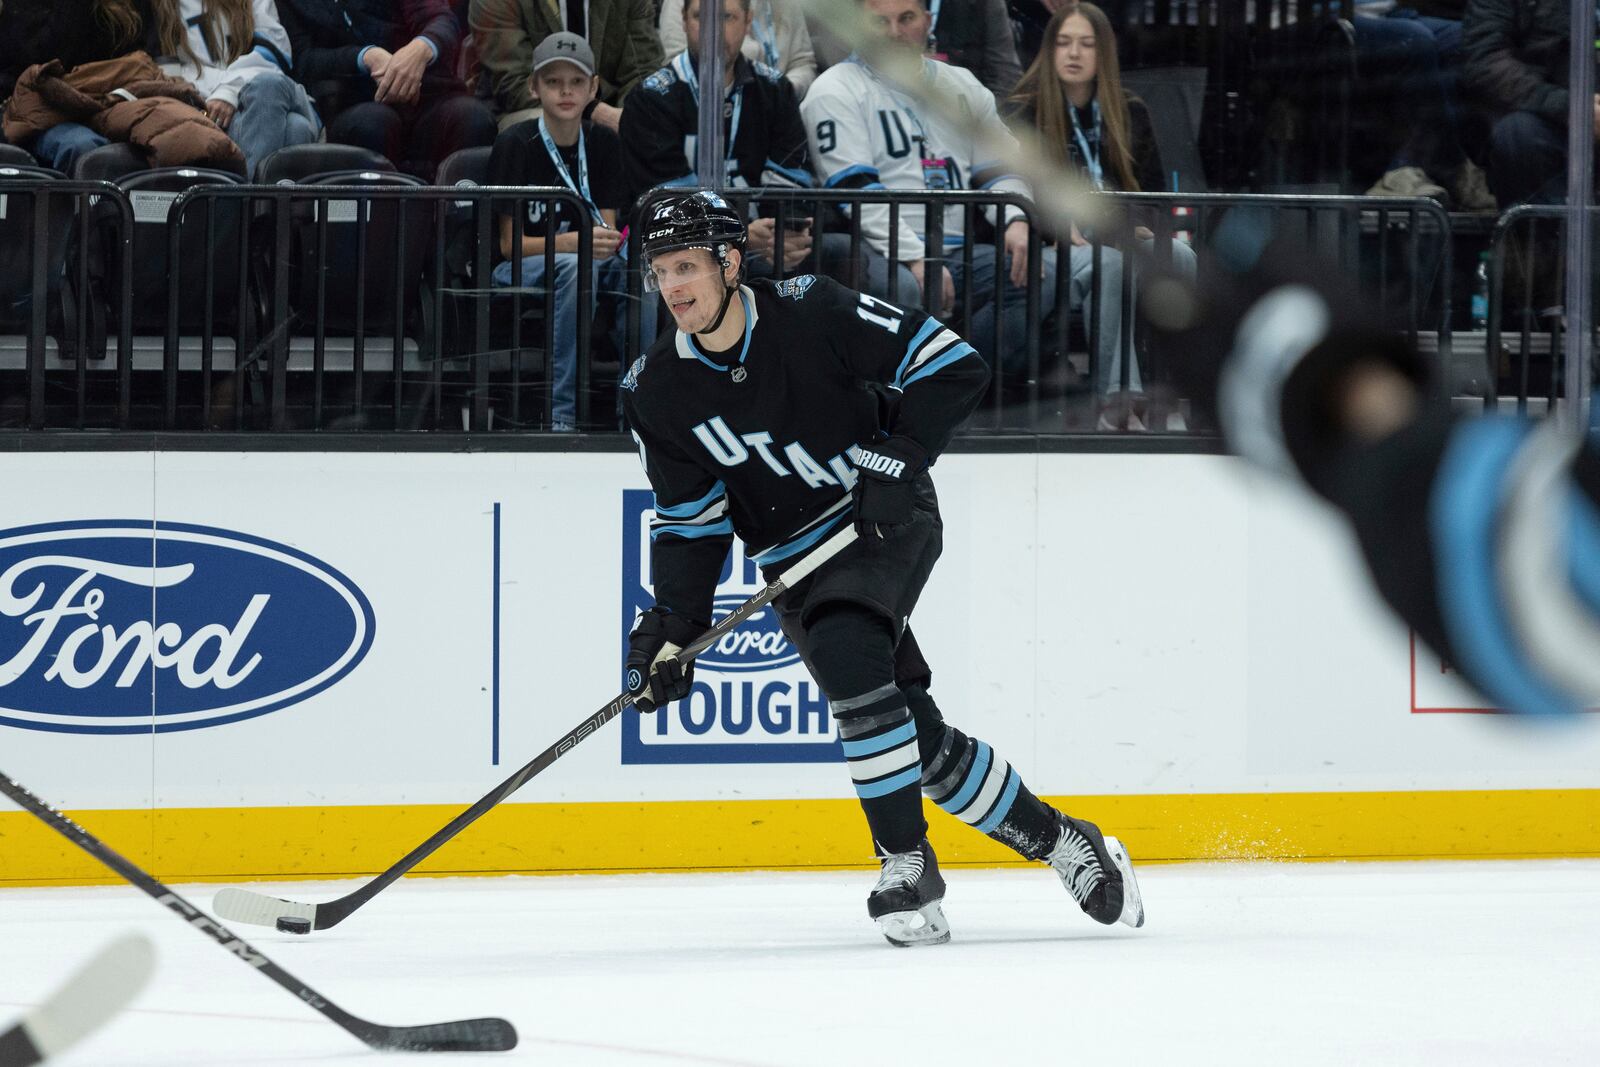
(781, 411)
(1482, 533)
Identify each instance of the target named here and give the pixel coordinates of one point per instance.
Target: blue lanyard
(767, 35)
(686, 72)
(581, 186)
(1090, 158)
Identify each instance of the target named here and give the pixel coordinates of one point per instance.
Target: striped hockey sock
(969, 780)
(880, 745)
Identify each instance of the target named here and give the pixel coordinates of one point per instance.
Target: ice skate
(1097, 872)
(905, 902)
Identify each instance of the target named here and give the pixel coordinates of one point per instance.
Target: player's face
(735, 24)
(563, 90)
(691, 285)
(902, 22)
(1077, 62)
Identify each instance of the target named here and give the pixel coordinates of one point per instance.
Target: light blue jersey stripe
(694, 507)
(960, 350)
(691, 532)
(800, 544)
(929, 328)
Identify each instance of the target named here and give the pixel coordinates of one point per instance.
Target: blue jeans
(611, 276)
(274, 112)
(1410, 65)
(61, 145)
(1108, 293)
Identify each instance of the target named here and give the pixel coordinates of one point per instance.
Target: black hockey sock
(968, 779)
(852, 654)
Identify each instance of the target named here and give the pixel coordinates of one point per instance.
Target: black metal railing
(47, 253)
(357, 307)
(1525, 343)
(1398, 248)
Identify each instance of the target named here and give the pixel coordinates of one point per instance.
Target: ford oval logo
(759, 645)
(123, 627)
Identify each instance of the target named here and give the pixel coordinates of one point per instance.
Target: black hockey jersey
(763, 444)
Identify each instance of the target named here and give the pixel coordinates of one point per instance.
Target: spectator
(865, 134)
(764, 137)
(1072, 96)
(561, 148)
(388, 70)
(1030, 17)
(236, 54)
(976, 34)
(1516, 59)
(778, 37)
(622, 34)
(1409, 62)
(75, 32)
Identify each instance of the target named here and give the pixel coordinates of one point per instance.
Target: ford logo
(124, 627)
(759, 645)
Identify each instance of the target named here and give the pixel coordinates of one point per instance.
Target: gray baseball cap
(564, 47)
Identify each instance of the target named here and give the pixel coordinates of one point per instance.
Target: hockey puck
(294, 926)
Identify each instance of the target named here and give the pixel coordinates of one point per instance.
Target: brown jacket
(124, 99)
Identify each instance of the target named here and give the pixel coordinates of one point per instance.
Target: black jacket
(327, 36)
(770, 148)
(35, 31)
(1515, 55)
(1147, 169)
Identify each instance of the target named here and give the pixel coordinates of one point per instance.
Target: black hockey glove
(884, 494)
(655, 677)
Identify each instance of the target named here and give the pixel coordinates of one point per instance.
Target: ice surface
(1282, 964)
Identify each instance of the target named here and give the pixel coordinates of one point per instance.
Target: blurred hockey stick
(467, 1035)
(246, 906)
(100, 988)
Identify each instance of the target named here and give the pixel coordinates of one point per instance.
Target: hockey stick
(246, 906)
(467, 1035)
(97, 990)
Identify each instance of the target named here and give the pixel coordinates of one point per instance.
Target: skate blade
(909, 929)
(1132, 902)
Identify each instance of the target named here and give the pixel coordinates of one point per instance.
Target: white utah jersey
(866, 134)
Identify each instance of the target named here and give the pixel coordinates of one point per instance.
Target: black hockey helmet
(697, 220)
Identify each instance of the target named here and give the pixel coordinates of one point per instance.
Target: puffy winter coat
(125, 99)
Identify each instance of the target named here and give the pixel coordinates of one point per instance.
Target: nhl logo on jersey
(753, 700)
(738, 374)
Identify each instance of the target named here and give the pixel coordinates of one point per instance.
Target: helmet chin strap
(722, 311)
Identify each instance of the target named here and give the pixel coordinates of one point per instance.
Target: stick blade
(95, 992)
(258, 909)
(465, 1035)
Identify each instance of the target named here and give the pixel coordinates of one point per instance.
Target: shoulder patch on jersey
(660, 81)
(795, 288)
(630, 381)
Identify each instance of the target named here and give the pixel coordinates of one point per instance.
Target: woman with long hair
(1071, 96)
(236, 53)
